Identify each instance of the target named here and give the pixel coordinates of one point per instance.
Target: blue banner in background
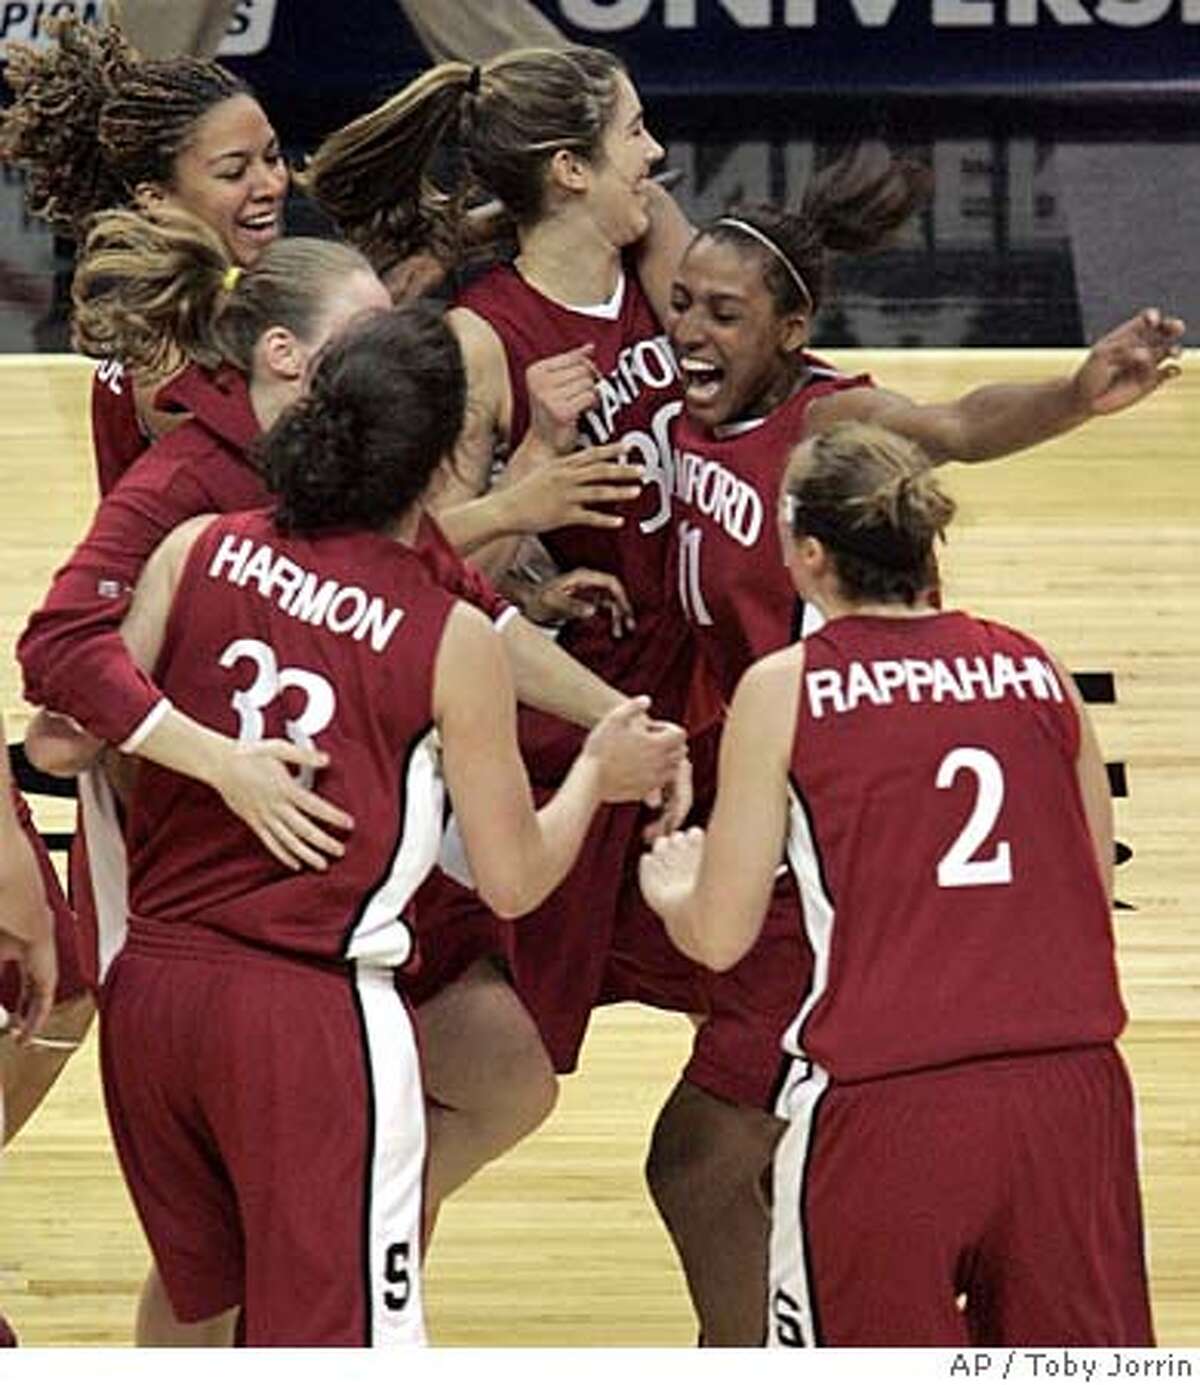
(843, 45)
(318, 62)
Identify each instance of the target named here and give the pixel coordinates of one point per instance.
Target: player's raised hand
(668, 873)
(562, 490)
(285, 815)
(674, 803)
(635, 755)
(560, 389)
(579, 595)
(1130, 362)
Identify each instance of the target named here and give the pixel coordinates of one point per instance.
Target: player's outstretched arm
(1125, 366)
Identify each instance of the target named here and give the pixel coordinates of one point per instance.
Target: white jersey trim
(608, 311)
(107, 864)
(380, 935)
(819, 916)
(147, 724)
(735, 430)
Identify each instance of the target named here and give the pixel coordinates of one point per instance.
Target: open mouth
(263, 226)
(702, 380)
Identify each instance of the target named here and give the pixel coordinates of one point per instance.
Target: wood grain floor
(1091, 542)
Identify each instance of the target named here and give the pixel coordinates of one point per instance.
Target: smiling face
(738, 355)
(232, 175)
(621, 170)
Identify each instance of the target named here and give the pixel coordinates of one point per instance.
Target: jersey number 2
(960, 865)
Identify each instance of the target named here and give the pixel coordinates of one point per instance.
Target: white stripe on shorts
(396, 1316)
(790, 1312)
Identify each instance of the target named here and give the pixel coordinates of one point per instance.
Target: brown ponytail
(853, 206)
(91, 120)
(154, 292)
(509, 116)
(869, 496)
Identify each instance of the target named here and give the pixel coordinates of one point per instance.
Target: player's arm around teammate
(518, 854)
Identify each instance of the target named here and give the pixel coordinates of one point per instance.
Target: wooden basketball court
(1091, 542)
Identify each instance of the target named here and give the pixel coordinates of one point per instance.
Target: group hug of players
(341, 798)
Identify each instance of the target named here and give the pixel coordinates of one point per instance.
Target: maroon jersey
(639, 395)
(938, 836)
(118, 438)
(331, 641)
(71, 653)
(725, 560)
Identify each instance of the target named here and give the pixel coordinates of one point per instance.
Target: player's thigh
(479, 1043)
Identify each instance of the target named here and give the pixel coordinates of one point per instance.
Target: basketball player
(742, 303)
(558, 137)
(960, 1122)
(26, 918)
(486, 1067)
(95, 126)
(284, 1067)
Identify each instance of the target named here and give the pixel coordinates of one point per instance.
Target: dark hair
(853, 206)
(91, 119)
(869, 496)
(151, 291)
(384, 406)
(510, 116)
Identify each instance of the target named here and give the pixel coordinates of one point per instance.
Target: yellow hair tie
(231, 277)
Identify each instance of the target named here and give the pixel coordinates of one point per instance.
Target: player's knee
(526, 1084)
(684, 1164)
(705, 1153)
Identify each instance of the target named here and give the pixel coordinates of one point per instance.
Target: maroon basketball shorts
(1010, 1183)
(737, 1054)
(70, 979)
(268, 1117)
(453, 930)
(591, 942)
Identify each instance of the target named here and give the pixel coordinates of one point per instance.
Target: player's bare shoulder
(767, 697)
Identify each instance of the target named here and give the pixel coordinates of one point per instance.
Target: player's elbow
(719, 948)
(720, 955)
(509, 894)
